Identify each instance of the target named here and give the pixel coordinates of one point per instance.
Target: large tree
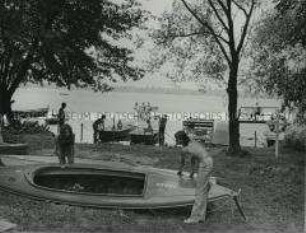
(212, 35)
(67, 42)
(280, 52)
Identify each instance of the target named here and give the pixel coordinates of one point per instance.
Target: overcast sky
(156, 6)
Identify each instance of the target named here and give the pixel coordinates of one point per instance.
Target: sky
(156, 6)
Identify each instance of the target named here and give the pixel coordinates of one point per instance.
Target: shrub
(36, 136)
(296, 137)
(26, 127)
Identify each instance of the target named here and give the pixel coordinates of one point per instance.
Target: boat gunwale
(109, 205)
(129, 128)
(127, 207)
(105, 206)
(30, 173)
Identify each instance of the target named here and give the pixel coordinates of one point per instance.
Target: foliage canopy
(68, 42)
(280, 57)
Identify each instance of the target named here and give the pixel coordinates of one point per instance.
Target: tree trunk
(1, 139)
(234, 134)
(6, 104)
(5, 109)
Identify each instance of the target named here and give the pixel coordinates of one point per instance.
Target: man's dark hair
(64, 105)
(185, 141)
(181, 138)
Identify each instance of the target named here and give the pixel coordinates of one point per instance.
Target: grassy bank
(272, 195)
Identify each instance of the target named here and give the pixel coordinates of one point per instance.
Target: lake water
(84, 106)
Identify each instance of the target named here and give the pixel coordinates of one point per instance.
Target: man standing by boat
(257, 111)
(61, 116)
(65, 145)
(98, 125)
(161, 129)
(183, 139)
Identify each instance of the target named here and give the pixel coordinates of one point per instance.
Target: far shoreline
(152, 90)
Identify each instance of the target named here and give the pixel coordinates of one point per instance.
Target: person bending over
(198, 212)
(182, 139)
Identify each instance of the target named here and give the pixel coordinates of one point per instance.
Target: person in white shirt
(198, 212)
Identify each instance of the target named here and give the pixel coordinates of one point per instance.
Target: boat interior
(90, 181)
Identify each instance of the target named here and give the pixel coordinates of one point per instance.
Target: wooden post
(277, 137)
(82, 131)
(255, 135)
(1, 138)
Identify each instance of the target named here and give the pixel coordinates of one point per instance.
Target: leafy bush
(33, 134)
(26, 127)
(296, 137)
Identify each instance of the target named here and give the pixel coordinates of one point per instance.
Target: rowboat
(116, 134)
(141, 136)
(31, 113)
(13, 149)
(256, 114)
(106, 185)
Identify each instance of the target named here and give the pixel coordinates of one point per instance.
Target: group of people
(190, 148)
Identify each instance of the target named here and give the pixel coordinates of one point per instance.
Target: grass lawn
(272, 196)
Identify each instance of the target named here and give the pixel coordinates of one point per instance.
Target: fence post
(1, 138)
(255, 135)
(277, 137)
(82, 131)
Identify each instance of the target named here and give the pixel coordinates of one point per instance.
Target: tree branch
(2, 68)
(246, 26)
(23, 68)
(5, 65)
(194, 34)
(223, 39)
(211, 30)
(218, 15)
(240, 7)
(231, 28)
(173, 36)
(20, 75)
(223, 6)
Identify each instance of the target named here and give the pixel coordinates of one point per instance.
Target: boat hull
(139, 136)
(13, 149)
(31, 113)
(52, 121)
(162, 188)
(115, 135)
